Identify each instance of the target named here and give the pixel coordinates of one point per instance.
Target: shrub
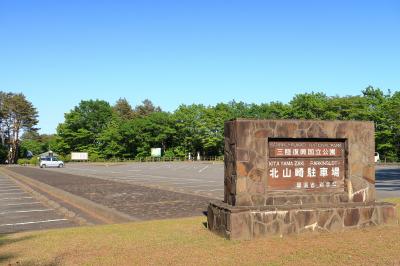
(23, 161)
(95, 157)
(65, 158)
(169, 153)
(32, 161)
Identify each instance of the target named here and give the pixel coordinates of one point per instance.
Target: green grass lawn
(187, 242)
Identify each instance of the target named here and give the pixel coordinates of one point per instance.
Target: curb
(100, 212)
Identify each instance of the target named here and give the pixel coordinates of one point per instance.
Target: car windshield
(55, 159)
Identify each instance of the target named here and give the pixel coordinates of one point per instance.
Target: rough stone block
(266, 162)
(251, 222)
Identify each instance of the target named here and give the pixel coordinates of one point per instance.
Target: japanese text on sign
(305, 165)
(289, 149)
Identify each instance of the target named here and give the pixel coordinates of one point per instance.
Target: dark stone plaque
(306, 165)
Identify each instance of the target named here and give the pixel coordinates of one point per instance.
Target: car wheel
(43, 166)
(60, 165)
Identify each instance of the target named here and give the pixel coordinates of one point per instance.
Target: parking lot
(19, 211)
(150, 190)
(139, 202)
(198, 178)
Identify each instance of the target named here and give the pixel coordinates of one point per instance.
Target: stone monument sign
(290, 176)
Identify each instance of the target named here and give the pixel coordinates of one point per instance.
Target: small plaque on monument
(308, 165)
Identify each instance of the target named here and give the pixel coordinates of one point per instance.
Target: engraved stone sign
(306, 165)
(293, 176)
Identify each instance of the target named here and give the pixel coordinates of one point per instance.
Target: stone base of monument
(242, 222)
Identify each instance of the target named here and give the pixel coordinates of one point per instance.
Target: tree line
(125, 132)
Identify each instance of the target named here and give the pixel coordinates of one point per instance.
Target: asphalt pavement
(149, 193)
(20, 211)
(387, 182)
(196, 178)
(139, 202)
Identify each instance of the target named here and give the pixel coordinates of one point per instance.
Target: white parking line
(13, 193)
(15, 198)
(17, 204)
(13, 189)
(37, 222)
(204, 168)
(44, 210)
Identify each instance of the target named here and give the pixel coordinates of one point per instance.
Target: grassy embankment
(188, 242)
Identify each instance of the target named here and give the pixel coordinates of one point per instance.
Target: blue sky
(180, 52)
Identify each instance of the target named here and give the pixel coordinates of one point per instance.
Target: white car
(50, 162)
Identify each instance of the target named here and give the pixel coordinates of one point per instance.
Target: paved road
(19, 211)
(388, 182)
(197, 178)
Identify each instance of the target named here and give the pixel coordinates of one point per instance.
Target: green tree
(212, 129)
(309, 106)
(152, 131)
(189, 124)
(388, 128)
(146, 108)
(37, 143)
(110, 140)
(31, 145)
(124, 109)
(273, 110)
(17, 116)
(83, 125)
